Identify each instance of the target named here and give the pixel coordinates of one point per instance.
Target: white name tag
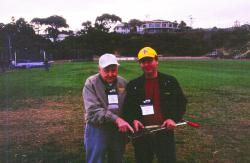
(113, 99)
(147, 109)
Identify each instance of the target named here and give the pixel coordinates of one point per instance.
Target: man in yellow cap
(154, 99)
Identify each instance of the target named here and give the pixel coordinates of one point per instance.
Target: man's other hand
(169, 124)
(123, 126)
(137, 125)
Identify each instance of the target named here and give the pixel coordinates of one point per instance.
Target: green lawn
(218, 95)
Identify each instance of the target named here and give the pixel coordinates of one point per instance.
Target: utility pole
(236, 23)
(191, 20)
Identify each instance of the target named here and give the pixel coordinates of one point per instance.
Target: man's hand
(169, 124)
(137, 125)
(123, 126)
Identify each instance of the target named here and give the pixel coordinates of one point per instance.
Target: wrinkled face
(149, 65)
(109, 73)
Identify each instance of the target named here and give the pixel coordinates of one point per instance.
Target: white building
(121, 28)
(154, 26)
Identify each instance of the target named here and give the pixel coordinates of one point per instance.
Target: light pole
(10, 47)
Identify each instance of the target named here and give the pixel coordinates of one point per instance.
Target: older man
(103, 96)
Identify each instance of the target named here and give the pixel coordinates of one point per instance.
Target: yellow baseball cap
(146, 52)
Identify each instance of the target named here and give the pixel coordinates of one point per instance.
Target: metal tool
(156, 128)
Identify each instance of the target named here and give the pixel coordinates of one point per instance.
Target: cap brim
(146, 56)
(106, 65)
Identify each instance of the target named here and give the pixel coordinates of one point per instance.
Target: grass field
(41, 113)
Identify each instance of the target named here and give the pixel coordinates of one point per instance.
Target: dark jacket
(172, 99)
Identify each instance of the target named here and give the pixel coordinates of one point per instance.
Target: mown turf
(218, 95)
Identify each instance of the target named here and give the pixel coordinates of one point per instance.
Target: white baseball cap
(107, 59)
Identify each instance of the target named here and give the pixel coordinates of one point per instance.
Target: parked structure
(154, 26)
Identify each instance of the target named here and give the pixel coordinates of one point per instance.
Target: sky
(197, 13)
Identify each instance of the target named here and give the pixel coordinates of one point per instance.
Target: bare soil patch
(27, 129)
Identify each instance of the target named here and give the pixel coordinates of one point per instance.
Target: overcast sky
(204, 13)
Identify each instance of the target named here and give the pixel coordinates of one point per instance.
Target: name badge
(113, 99)
(147, 107)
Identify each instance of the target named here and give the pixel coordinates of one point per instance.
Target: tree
(38, 22)
(23, 26)
(183, 26)
(19, 36)
(86, 27)
(1, 26)
(105, 22)
(54, 23)
(133, 24)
